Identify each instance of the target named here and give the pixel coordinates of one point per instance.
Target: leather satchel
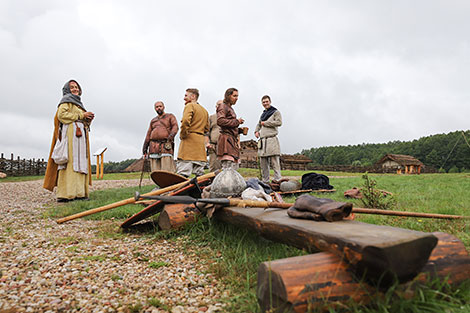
(78, 131)
(167, 145)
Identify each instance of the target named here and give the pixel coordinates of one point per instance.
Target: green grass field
(234, 254)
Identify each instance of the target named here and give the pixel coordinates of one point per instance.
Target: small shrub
(135, 308)
(442, 170)
(158, 304)
(158, 264)
(375, 198)
(454, 169)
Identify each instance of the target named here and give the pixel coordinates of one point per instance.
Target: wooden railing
(22, 167)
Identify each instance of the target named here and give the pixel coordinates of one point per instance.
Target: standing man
(269, 149)
(211, 141)
(228, 148)
(194, 124)
(160, 140)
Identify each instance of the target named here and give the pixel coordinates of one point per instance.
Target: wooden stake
(102, 165)
(98, 166)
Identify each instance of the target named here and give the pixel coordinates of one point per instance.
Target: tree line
(449, 152)
(114, 167)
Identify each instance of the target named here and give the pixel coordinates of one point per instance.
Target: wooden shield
(164, 178)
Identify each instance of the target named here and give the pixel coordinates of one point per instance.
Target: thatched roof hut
(137, 166)
(400, 162)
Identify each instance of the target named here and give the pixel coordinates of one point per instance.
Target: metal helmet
(227, 183)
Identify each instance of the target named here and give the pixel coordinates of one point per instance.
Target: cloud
(340, 73)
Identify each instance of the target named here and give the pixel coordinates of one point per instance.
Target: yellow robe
(194, 124)
(70, 184)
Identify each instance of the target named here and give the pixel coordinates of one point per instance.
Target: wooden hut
(401, 163)
(137, 166)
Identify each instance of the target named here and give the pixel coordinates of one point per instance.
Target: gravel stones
(50, 267)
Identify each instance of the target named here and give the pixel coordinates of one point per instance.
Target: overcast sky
(340, 72)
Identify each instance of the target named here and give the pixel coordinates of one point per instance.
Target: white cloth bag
(60, 154)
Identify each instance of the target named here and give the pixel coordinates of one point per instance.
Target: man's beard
(160, 112)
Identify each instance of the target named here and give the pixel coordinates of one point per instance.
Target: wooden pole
(102, 164)
(408, 214)
(97, 166)
(265, 204)
(129, 200)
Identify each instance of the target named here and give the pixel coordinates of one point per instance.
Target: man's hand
(241, 121)
(262, 123)
(257, 134)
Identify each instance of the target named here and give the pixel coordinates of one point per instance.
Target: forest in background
(448, 151)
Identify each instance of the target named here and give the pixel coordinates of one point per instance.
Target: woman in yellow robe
(72, 121)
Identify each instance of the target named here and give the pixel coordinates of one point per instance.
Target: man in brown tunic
(159, 142)
(228, 148)
(194, 124)
(211, 141)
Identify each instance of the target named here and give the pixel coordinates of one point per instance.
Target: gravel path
(47, 267)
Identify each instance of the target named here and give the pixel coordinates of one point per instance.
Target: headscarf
(68, 97)
(267, 113)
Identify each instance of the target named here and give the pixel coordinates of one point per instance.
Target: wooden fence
(22, 167)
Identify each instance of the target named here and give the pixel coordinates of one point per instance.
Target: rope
(463, 134)
(458, 139)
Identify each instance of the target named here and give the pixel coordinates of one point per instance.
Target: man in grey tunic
(269, 149)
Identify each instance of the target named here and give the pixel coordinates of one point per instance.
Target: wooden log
(177, 215)
(379, 252)
(313, 282)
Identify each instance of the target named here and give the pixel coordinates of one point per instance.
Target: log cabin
(403, 164)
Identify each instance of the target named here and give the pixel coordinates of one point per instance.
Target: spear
(266, 204)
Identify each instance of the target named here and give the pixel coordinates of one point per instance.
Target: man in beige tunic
(194, 124)
(211, 141)
(269, 149)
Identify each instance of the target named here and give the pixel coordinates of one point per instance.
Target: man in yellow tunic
(71, 123)
(194, 124)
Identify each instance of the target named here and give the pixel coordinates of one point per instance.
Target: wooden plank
(379, 252)
(315, 281)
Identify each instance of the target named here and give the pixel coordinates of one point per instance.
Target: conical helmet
(227, 183)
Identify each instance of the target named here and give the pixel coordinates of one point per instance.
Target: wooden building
(401, 163)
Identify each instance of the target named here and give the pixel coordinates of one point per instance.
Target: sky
(340, 72)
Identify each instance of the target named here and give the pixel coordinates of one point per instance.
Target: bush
(442, 170)
(375, 198)
(454, 169)
(356, 163)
